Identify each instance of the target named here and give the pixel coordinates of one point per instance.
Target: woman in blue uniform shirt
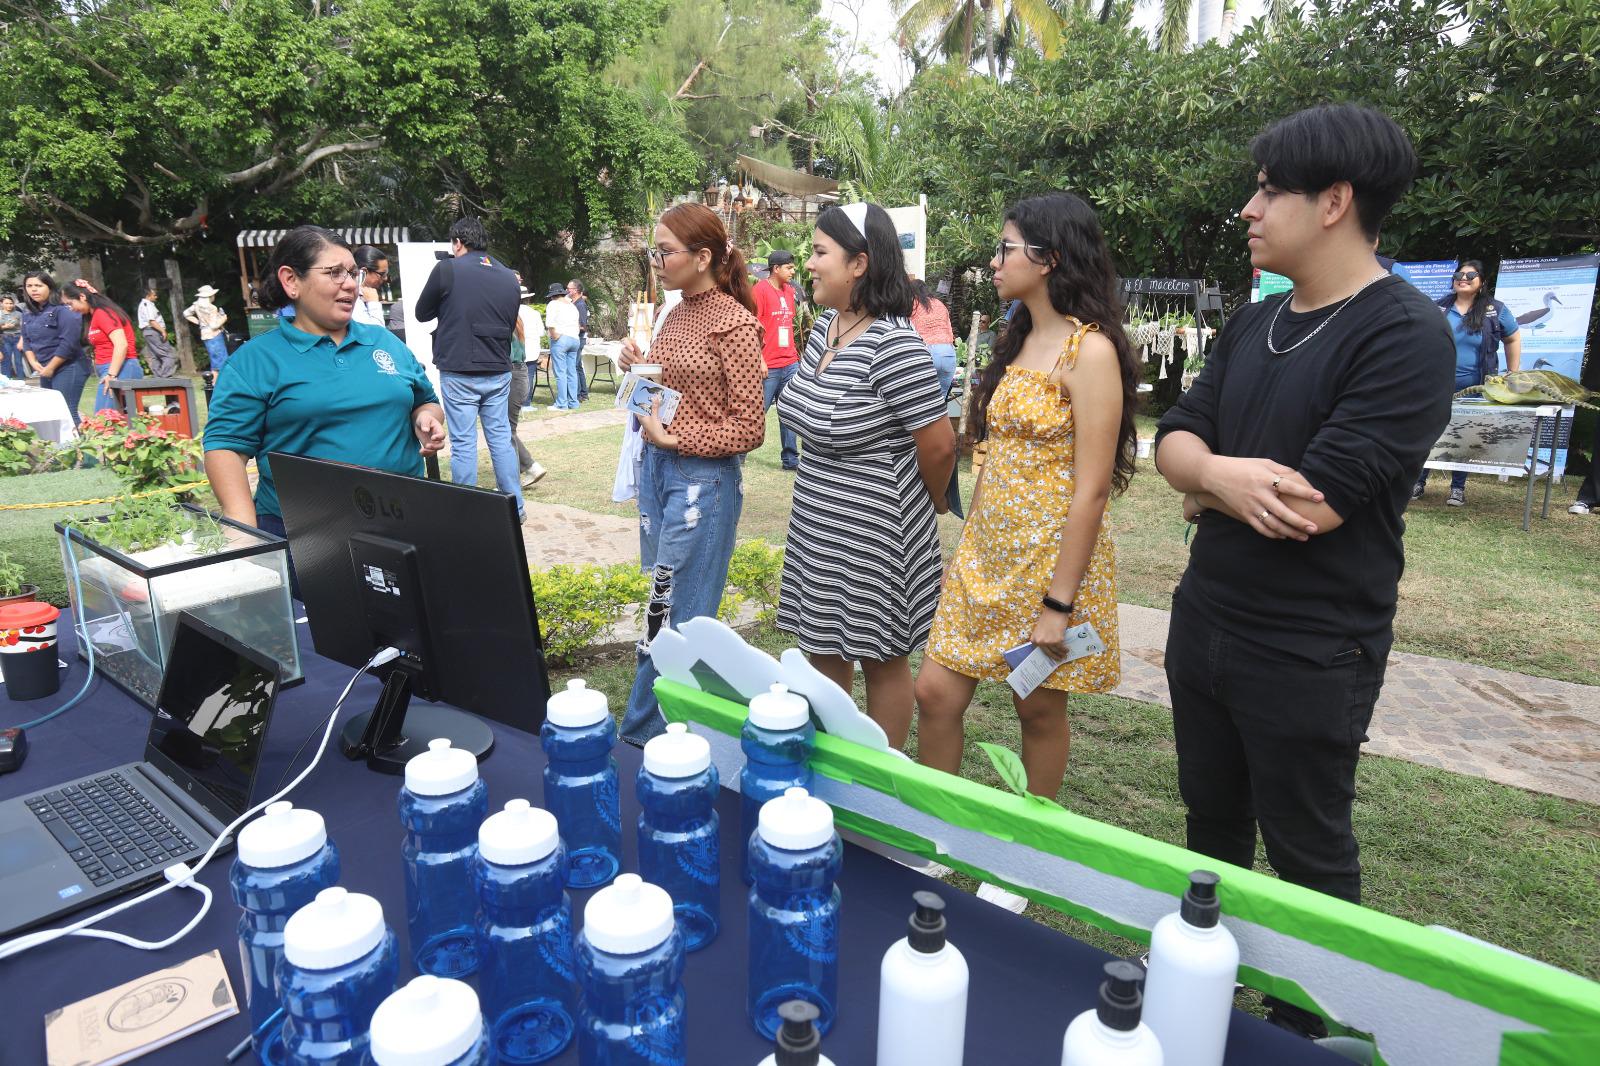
(52, 339)
(319, 385)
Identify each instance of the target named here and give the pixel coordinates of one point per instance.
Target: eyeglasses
(337, 274)
(1466, 275)
(659, 258)
(377, 274)
(1005, 246)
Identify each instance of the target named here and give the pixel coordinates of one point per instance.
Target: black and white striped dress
(862, 564)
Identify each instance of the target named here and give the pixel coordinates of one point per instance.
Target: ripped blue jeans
(688, 513)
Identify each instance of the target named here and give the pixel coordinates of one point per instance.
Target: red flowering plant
(139, 451)
(22, 450)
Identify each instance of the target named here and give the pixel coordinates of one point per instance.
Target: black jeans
(1266, 737)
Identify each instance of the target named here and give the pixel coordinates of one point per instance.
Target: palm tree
(1003, 21)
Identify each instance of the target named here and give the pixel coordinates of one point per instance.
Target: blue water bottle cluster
(678, 829)
(777, 739)
(580, 782)
(525, 934)
(442, 805)
(285, 858)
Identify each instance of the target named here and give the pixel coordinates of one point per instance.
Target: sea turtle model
(1533, 386)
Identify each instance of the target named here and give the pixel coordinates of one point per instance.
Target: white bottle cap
(333, 930)
(282, 836)
(578, 707)
(778, 708)
(518, 835)
(677, 753)
(432, 1021)
(441, 770)
(628, 916)
(796, 821)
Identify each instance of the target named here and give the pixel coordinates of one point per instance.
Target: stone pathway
(1511, 728)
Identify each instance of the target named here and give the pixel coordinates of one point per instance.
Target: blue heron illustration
(1539, 318)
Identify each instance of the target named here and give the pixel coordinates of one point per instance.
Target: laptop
(82, 842)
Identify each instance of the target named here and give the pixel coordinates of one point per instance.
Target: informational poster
(1551, 299)
(416, 260)
(1264, 283)
(1433, 277)
(911, 223)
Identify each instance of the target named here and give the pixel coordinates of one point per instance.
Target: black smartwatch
(1056, 605)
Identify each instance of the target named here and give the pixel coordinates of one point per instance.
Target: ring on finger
(1275, 482)
(1265, 515)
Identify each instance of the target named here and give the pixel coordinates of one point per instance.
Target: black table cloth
(1028, 981)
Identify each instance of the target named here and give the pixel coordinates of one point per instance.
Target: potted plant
(132, 571)
(12, 588)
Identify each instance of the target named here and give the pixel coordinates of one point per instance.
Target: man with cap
(775, 308)
(561, 320)
(474, 298)
(210, 318)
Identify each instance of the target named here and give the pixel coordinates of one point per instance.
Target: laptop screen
(211, 719)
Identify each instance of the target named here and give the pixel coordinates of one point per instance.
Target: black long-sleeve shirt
(1355, 410)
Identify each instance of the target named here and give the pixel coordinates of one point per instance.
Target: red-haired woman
(691, 478)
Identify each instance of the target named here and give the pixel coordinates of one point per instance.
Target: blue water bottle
(795, 857)
(442, 805)
(285, 858)
(339, 962)
(678, 830)
(432, 1021)
(630, 978)
(524, 934)
(777, 739)
(580, 783)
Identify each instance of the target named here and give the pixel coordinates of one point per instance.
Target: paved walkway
(1530, 732)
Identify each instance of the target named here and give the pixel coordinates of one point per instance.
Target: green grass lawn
(29, 536)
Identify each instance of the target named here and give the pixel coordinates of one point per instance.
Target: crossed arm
(1273, 499)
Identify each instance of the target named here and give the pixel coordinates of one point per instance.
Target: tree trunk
(988, 42)
(90, 270)
(1230, 14)
(182, 336)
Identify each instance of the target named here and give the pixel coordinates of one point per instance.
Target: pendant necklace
(841, 339)
(1275, 350)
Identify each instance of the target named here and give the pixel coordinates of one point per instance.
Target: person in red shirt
(109, 332)
(775, 308)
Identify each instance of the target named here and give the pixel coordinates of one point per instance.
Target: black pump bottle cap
(927, 925)
(799, 1043)
(1200, 907)
(1121, 995)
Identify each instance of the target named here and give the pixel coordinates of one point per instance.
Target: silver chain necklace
(1275, 350)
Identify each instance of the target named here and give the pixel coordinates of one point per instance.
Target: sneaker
(1458, 498)
(1579, 508)
(531, 476)
(1001, 898)
(1418, 489)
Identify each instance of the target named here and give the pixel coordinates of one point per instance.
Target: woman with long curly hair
(1035, 558)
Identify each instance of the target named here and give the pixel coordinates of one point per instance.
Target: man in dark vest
(475, 298)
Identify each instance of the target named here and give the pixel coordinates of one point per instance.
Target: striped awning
(266, 238)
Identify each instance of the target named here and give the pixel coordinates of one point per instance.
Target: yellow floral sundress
(1007, 554)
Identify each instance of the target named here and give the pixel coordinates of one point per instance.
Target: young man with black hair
(1296, 450)
(776, 304)
(475, 298)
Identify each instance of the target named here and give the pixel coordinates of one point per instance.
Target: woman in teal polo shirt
(319, 385)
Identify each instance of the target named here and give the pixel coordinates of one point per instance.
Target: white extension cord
(181, 875)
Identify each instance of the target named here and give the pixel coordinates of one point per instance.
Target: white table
(43, 409)
(1507, 441)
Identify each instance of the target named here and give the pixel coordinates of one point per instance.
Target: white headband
(857, 214)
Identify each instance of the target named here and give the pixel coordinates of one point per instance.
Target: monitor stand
(393, 731)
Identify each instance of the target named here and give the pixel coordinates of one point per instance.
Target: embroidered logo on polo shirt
(384, 360)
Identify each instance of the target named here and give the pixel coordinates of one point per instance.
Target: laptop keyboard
(109, 829)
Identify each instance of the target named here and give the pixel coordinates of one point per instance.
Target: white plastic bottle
(1194, 961)
(798, 1042)
(1112, 1034)
(922, 993)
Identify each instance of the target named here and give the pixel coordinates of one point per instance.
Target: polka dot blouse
(709, 348)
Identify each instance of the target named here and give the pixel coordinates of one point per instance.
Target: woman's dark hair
(298, 250)
(98, 302)
(923, 295)
(1083, 284)
(883, 291)
(697, 226)
(54, 296)
(368, 257)
(1473, 319)
(1310, 150)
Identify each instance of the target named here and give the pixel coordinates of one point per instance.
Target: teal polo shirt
(295, 392)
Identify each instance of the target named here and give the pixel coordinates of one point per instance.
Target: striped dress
(862, 564)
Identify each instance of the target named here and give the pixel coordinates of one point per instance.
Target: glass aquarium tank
(130, 573)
